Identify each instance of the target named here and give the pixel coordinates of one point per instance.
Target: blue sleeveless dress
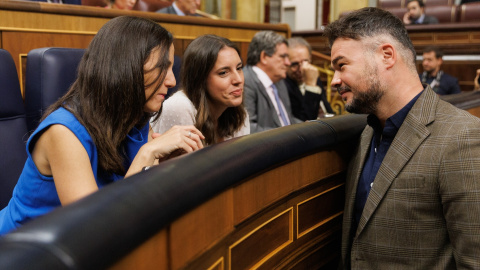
(35, 194)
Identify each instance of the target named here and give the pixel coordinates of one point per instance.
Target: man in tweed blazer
(413, 187)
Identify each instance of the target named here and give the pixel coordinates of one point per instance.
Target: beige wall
(339, 6)
(250, 10)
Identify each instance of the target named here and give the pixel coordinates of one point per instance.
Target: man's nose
(336, 81)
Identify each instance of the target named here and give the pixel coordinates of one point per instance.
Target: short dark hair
(420, 2)
(263, 41)
(371, 22)
(438, 52)
(198, 60)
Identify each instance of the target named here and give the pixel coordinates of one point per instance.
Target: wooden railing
(271, 200)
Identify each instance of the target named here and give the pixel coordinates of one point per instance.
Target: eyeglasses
(296, 65)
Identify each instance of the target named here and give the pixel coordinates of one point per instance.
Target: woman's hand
(176, 141)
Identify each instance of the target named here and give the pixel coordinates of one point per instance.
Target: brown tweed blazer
(423, 211)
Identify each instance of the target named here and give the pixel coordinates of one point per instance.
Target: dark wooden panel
(187, 241)
(422, 38)
(320, 209)
(218, 265)
(178, 45)
(252, 196)
(244, 51)
(329, 251)
(261, 242)
(315, 251)
(152, 252)
(453, 38)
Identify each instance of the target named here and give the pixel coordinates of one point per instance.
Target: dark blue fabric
(13, 128)
(35, 194)
(381, 141)
(49, 74)
(448, 84)
(306, 107)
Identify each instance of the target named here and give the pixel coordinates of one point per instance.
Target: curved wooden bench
(268, 200)
(469, 101)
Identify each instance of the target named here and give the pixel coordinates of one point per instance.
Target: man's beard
(366, 102)
(429, 72)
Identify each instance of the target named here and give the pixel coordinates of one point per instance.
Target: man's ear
(263, 57)
(388, 53)
(440, 61)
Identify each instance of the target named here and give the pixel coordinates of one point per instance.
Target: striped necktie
(283, 115)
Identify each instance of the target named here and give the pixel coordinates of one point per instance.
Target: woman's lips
(237, 92)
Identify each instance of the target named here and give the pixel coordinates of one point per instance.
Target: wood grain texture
(297, 227)
(151, 253)
(26, 25)
(196, 231)
(251, 196)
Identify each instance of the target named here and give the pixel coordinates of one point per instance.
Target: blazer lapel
(409, 137)
(264, 94)
(353, 176)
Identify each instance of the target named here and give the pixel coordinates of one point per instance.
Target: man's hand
(406, 18)
(310, 73)
(476, 82)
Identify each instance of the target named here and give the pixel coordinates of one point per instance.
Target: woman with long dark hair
(98, 132)
(212, 95)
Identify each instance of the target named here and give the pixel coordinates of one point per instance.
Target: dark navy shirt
(381, 141)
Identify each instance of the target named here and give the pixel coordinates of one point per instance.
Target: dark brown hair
(438, 52)
(108, 96)
(371, 22)
(198, 60)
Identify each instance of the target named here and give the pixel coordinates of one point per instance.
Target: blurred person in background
(441, 82)
(416, 14)
(182, 8)
(307, 96)
(121, 4)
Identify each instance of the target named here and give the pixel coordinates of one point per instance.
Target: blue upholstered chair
(13, 128)
(49, 74)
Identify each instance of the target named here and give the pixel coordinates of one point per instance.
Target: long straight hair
(108, 96)
(199, 59)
